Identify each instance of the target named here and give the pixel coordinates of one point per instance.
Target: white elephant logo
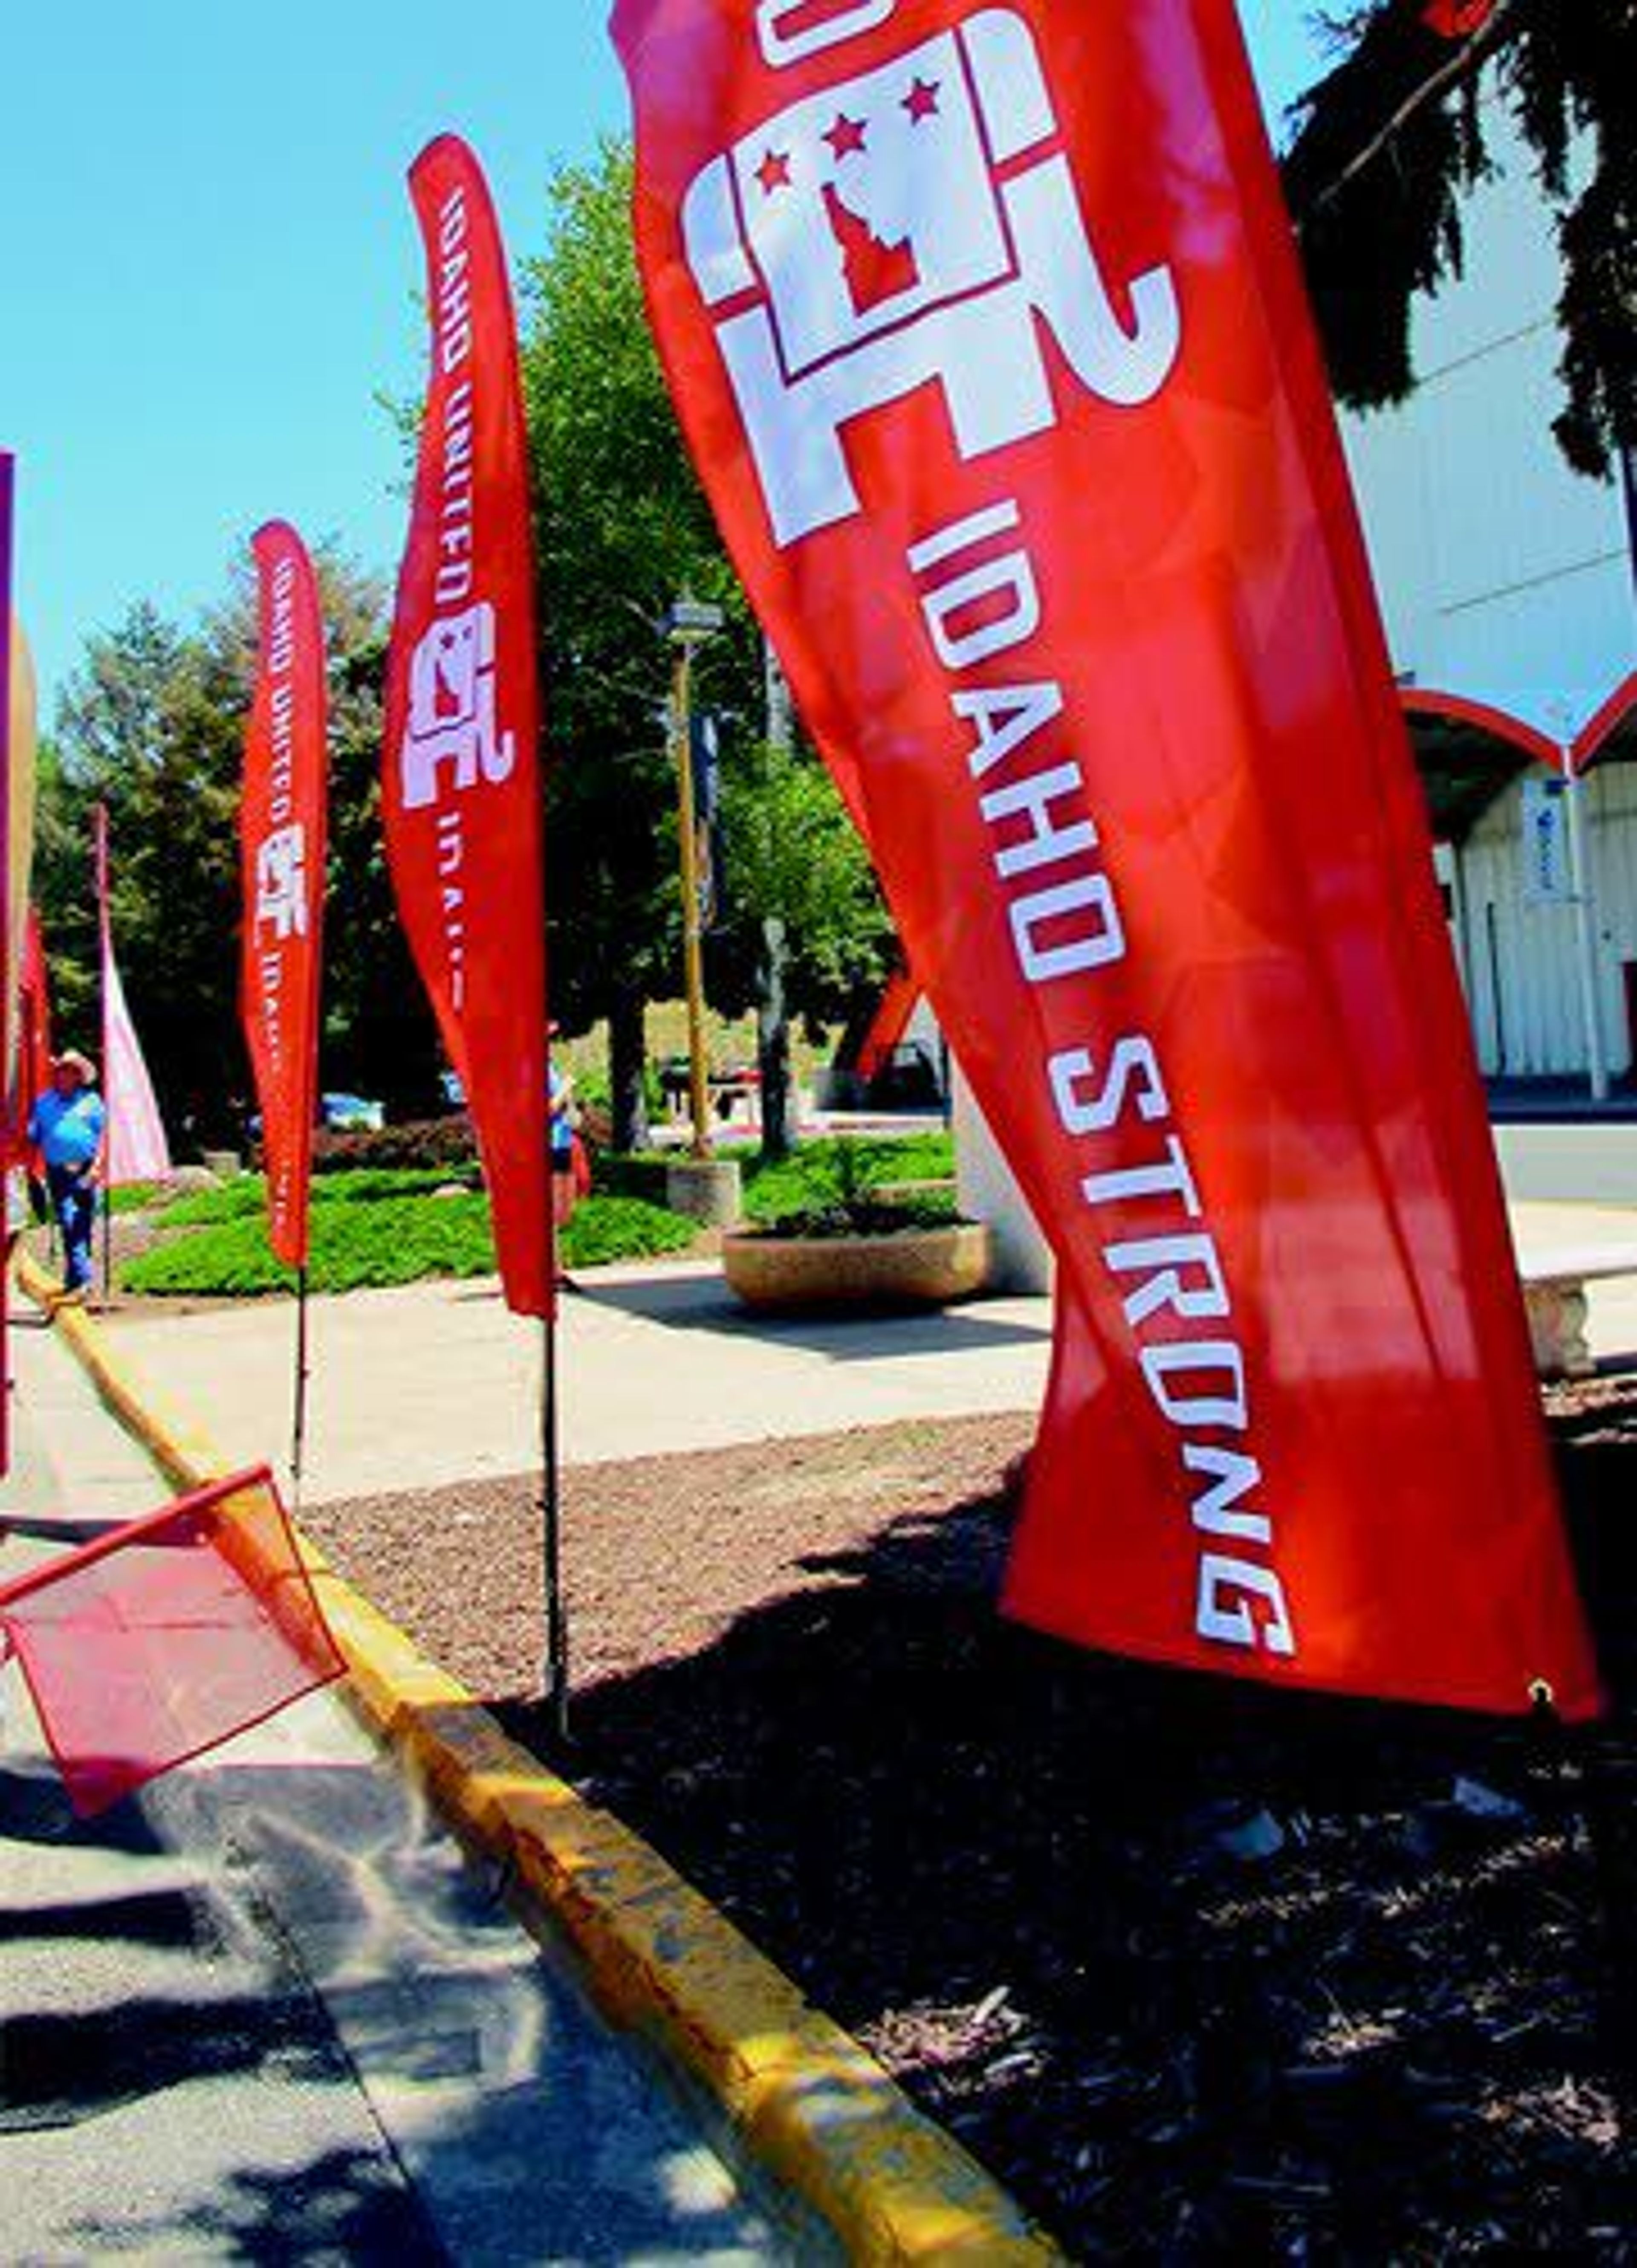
(906, 225)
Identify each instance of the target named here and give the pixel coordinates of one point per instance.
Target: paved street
(268, 2012)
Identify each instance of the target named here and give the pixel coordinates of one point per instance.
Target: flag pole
(105, 935)
(551, 1510)
(299, 1421)
(551, 1494)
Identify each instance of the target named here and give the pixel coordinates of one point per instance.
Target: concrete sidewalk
(437, 1383)
(268, 2011)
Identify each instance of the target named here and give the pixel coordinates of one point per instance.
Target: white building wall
(1612, 809)
(1520, 963)
(1507, 577)
(1502, 575)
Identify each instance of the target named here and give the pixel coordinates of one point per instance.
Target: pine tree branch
(1467, 60)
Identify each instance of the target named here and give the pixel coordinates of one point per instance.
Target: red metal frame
(86, 1555)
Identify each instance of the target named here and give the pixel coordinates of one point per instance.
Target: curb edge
(812, 2108)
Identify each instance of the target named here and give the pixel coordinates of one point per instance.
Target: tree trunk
(773, 1023)
(772, 1044)
(627, 1060)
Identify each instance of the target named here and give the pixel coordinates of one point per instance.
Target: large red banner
(461, 785)
(10, 1147)
(985, 326)
(32, 1074)
(282, 837)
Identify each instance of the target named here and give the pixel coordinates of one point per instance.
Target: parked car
(345, 1113)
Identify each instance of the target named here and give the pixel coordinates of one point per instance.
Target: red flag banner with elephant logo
(283, 829)
(985, 328)
(461, 789)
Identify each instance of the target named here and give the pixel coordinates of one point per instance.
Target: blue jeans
(73, 1199)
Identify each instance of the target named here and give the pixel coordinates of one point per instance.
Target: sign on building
(1548, 878)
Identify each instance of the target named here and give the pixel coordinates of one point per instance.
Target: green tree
(1388, 143)
(380, 1035)
(804, 909)
(152, 725)
(145, 726)
(622, 527)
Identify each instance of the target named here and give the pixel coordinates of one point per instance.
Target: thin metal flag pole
(104, 937)
(551, 1515)
(551, 1494)
(299, 1421)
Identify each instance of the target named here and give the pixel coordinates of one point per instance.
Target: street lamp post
(687, 625)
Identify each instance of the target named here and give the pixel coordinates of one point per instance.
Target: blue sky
(211, 264)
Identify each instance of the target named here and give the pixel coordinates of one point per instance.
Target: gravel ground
(1202, 1973)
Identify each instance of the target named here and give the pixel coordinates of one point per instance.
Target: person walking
(562, 1114)
(68, 1125)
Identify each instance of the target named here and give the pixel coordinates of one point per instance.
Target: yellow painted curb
(817, 2113)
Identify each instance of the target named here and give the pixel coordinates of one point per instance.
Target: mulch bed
(1201, 1972)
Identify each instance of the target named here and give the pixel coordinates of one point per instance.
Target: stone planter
(910, 1267)
(707, 1189)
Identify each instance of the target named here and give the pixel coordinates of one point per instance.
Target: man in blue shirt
(68, 1125)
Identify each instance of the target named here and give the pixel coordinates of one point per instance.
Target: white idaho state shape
(876, 248)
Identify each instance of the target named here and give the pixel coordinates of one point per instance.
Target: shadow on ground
(698, 1303)
(1202, 1972)
(195, 1987)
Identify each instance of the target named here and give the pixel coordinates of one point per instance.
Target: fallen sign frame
(167, 1636)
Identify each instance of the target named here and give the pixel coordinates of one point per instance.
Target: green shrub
(234, 1200)
(133, 1196)
(392, 1240)
(428, 1143)
(622, 1228)
(240, 1199)
(360, 1242)
(838, 1169)
(369, 1185)
(864, 1216)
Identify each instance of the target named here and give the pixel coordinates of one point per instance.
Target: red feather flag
(11, 1144)
(283, 825)
(986, 329)
(461, 786)
(34, 1063)
(167, 1637)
